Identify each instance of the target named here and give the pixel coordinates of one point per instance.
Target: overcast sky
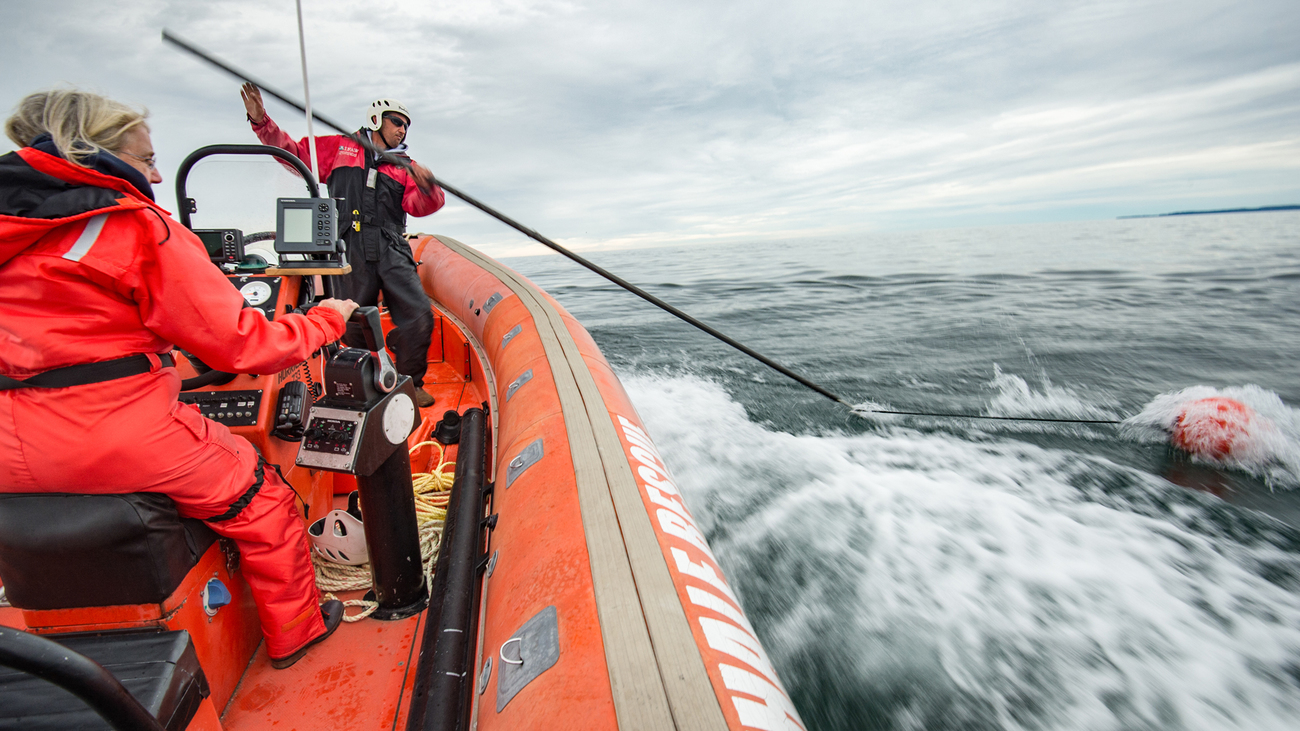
(628, 122)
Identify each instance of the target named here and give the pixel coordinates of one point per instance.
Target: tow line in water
(860, 411)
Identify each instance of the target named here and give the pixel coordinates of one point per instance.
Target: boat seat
(160, 669)
(65, 551)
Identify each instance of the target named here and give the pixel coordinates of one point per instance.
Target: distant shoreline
(1224, 210)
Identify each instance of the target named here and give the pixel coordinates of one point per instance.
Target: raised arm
(269, 133)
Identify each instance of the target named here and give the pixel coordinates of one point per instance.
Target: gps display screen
(212, 242)
(297, 225)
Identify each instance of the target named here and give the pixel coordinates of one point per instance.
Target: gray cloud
(635, 123)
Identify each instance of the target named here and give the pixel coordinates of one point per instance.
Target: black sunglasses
(397, 120)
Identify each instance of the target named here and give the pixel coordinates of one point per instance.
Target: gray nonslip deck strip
(656, 671)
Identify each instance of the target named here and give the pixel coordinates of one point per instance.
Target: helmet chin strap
(387, 145)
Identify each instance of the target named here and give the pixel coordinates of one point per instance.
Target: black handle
(77, 674)
(371, 328)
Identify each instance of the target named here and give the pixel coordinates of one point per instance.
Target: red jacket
(91, 270)
(340, 151)
(123, 279)
(371, 205)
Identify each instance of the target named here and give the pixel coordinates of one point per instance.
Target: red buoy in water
(1211, 427)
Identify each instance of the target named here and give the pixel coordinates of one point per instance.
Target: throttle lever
(373, 331)
(371, 328)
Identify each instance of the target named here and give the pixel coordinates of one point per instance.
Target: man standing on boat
(377, 196)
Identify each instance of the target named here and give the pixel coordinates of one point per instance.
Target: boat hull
(591, 524)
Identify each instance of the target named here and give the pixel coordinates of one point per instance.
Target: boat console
(360, 428)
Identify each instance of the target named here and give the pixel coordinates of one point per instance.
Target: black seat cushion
(60, 551)
(159, 668)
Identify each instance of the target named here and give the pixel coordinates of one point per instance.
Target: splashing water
(905, 580)
(1016, 398)
(1270, 449)
(877, 412)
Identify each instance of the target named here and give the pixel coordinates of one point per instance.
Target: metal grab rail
(186, 204)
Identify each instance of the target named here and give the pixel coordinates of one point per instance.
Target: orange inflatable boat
(572, 588)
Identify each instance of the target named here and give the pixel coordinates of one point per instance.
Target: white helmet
(375, 118)
(345, 541)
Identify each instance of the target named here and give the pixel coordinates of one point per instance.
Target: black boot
(332, 612)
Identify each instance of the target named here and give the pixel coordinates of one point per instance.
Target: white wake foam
(1271, 450)
(924, 581)
(1015, 397)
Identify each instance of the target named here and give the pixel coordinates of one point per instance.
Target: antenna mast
(313, 159)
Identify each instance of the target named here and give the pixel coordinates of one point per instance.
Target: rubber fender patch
(523, 378)
(492, 302)
(531, 651)
(530, 456)
(505, 339)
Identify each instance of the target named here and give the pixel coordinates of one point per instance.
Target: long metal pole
(644, 294)
(366, 143)
(171, 38)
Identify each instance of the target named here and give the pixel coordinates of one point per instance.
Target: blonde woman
(98, 284)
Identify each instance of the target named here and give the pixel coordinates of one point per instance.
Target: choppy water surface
(912, 573)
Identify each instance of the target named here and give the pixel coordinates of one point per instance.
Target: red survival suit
(377, 196)
(92, 270)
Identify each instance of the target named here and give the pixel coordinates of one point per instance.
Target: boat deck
(360, 678)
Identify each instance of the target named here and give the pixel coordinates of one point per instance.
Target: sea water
(947, 573)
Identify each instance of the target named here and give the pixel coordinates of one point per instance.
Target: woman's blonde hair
(81, 123)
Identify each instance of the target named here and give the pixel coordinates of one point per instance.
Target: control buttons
(334, 436)
(231, 408)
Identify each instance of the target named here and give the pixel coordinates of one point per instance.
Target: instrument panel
(262, 293)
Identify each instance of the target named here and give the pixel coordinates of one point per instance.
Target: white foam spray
(908, 580)
(1271, 448)
(1015, 397)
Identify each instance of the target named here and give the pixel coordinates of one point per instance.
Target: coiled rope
(432, 492)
